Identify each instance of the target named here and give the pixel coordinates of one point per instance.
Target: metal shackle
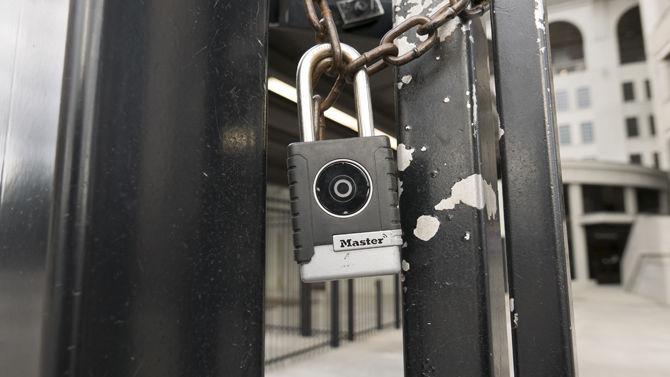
(305, 89)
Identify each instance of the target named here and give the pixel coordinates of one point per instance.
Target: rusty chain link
(386, 53)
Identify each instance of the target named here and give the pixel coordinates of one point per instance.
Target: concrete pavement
(617, 334)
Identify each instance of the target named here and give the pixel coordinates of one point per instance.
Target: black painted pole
(396, 301)
(156, 249)
(532, 191)
(379, 304)
(335, 313)
(454, 309)
(305, 309)
(351, 317)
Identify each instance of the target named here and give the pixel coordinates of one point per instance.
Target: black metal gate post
(305, 309)
(396, 301)
(454, 310)
(351, 307)
(532, 191)
(335, 313)
(156, 249)
(379, 301)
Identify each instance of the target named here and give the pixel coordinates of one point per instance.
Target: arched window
(629, 32)
(567, 47)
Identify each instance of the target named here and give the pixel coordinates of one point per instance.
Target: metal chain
(386, 53)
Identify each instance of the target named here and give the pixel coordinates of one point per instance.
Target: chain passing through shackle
(305, 87)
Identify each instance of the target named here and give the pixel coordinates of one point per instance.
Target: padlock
(344, 192)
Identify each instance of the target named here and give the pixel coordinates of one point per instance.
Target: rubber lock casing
(312, 226)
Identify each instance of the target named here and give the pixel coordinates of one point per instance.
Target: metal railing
(304, 319)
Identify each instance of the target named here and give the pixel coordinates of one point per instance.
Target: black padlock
(344, 192)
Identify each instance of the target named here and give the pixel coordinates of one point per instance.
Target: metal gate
(158, 240)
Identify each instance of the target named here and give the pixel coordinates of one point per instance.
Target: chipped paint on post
(426, 227)
(404, 81)
(472, 191)
(404, 156)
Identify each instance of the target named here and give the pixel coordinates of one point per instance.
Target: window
(587, 132)
(647, 87)
(567, 47)
(652, 126)
(635, 159)
(602, 198)
(564, 134)
(562, 100)
(648, 200)
(583, 98)
(657, 161)
(631, 127)
(628, 92)
(629, 33)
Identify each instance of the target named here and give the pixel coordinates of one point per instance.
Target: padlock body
(344, 207)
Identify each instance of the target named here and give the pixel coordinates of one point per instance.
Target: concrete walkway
(618, 335)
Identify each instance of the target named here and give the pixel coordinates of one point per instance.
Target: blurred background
(611, 69)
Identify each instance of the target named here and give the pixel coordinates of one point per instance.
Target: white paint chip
(404, 81)
(446, 100)
(426, 227)
(405, 265)
(404, 156)
(473, 191)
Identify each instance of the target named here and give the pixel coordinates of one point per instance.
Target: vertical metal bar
(305, 309)
(351, 317)
(156, 249)
(539, 271)
(396, 300)
(335, 313)
(33, 45)
(379, 304)
(454, 310)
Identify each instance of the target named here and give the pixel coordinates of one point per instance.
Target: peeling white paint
(404, 81)
(426, 227)
(467, 236)
(473, 191)
(424, 148)
(446, 100)
(404, 45)
(405, 265)
(404, 245)
(404, 156)
(399, 188)
(539, 15)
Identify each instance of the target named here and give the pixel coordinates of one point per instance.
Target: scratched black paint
(156, 253)
(539, 271)
(455, 320)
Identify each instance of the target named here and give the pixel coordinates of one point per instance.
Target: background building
(656, 25)
(601, 80)
(607, 130)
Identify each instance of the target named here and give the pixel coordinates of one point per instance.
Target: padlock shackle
(305, 89)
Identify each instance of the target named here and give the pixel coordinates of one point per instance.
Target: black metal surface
(396, 301)
(156, 251)
(32, 46)
(532, 191)
(305, 309)
(351, 310)
(292, 14)
(454, 309)
(335, 313)
(379, 303)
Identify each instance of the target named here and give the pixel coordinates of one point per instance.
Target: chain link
(386, 53)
